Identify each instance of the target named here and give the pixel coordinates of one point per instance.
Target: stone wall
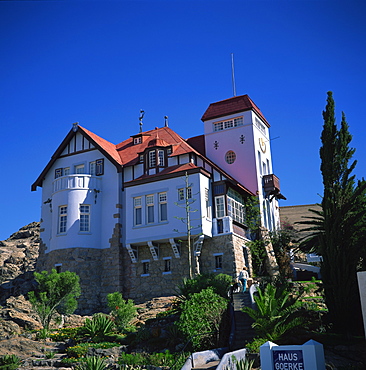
(103, 271)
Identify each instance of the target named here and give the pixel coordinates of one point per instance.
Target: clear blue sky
(100, 62)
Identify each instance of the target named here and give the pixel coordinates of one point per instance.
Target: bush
(9, 362)
(123, 312)
(201, 318)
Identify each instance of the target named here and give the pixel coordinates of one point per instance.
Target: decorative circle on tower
(230, 157)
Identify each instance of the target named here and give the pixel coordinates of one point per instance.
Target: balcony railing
(78, 181)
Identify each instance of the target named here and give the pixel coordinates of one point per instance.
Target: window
(84, 218)
(66, 171)
(141, 158)
(167, 264)
(218, 261)
(150, 208)
(220, 206)
(146, 268)
(230, 157)
(99, 163)
(58, 267)
(182, 192)
(137, 203)
(79, 169)
(58, 173)
(137, 140)
(152, 158)
(236, 206)
(207, 201)
(92, 167)
(224, 125)
(160, 157)
(163, 207)
(62, 219)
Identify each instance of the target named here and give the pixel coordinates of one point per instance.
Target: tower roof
(231, 106)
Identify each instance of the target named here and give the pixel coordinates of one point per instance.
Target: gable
(80, 140)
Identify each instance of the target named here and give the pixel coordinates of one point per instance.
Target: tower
(237, 139)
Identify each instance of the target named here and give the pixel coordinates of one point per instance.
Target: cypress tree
(339, 229)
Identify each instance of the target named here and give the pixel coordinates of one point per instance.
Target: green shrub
(254, 345)
(92, 363)
(159, 359)
(9, 362)
(98, 328)
(80, 350)
(201, 318)
(122, 311)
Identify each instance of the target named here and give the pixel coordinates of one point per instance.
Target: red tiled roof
(105, 145)
(163, 137)
(231, 106)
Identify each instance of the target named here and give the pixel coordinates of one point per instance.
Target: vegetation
(98, 328)
(92, 363)
(339, 228)
(201, 318)
(122, 312)
(9, 362)
(277, 312)
(56, 294)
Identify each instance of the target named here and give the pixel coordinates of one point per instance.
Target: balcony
(271, 186)
(78, 181)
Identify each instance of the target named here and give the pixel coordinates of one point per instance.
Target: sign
(288, 360)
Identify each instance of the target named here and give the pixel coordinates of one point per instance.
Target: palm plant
(92, 363)
(277, 312)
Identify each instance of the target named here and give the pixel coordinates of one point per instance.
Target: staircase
(244, 332)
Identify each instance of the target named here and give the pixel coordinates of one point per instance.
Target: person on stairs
(243, 277)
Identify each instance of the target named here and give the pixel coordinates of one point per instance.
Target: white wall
(102, 204)
(165, 230)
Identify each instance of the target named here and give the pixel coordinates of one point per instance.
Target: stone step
(209, 366)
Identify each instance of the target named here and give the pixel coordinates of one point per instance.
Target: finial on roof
(75, 126)
(142, 113)
(166, 121)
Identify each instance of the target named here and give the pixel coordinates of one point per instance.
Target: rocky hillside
(18, 256)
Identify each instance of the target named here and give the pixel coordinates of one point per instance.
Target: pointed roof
(107, 148)
(231, 106)
(127, 153)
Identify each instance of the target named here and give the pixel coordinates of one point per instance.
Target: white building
(113, 213)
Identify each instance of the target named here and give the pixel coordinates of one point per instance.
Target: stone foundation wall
(104, 271)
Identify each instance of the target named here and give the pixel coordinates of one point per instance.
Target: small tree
(56, 294)
(121, 310)
(187, 220)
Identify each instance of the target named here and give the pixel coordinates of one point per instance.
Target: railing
(78, 181)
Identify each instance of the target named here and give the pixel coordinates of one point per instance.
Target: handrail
(184, 347)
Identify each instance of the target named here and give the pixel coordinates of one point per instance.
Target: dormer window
(152, 158)
(156, 158)
(137, 140)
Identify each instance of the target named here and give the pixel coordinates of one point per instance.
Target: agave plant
(99, 327)
(92, 363)
(9, 362)
(277, 312)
